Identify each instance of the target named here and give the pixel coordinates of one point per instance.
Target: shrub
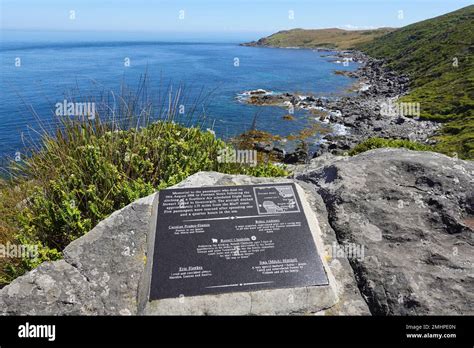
(443, 83)
(87, 169)
(375, 143)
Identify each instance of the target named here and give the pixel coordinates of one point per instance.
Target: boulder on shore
(410, 213)
(413, 212)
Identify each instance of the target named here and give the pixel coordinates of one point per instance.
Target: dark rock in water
(258, 91)
(278, 154)
(263, 146)
(319, 102)
(278, 151)
(413, 214)
(300, 155)
(323, 148)
(294, 158)
(275, 153)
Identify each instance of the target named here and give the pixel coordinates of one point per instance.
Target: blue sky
(216, 16)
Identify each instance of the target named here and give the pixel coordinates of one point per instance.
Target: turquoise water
(51, 71)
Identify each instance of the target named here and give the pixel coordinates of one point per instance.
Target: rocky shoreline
(372, 111)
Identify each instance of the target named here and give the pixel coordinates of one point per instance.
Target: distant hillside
(320, 38)
(437, 54)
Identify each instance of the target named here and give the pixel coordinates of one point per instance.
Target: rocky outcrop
(413, 214)
(375, 111)
(104, 272)
(372, 111)
(410, 216)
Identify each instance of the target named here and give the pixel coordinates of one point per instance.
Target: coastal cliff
(333, 38)
(434, 60)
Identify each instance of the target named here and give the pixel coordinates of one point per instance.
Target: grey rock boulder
(413, 214)
(104, 272)
(100, 273)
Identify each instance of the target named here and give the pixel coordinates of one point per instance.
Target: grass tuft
(377, 143)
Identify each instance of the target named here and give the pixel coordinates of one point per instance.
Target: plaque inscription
(220, 239)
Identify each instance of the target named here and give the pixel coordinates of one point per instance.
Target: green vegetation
(437, 55)
(376, 143)
(88, 169)
(11, 197)
(322, 38)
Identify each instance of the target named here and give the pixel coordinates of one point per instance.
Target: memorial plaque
(220, 239)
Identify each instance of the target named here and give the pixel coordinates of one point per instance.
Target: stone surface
(350, 300)
(105, 272)
(100, 272)
(303, 299)
(413, 213)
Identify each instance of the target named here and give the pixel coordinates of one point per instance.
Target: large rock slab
(106, 271)
(100, 273)
(413, 214)
(272, 301)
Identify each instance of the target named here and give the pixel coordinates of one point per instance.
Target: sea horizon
(196, 65)
(32, 34)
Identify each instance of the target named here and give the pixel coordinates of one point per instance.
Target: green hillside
(320, 38)
(428, 51)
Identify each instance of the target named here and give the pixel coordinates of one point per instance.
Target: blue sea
(51, 69)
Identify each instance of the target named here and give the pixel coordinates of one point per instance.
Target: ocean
(37, 73)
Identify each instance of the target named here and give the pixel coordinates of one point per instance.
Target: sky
(259, 17)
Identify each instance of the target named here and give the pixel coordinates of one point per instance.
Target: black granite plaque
(232, 238)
